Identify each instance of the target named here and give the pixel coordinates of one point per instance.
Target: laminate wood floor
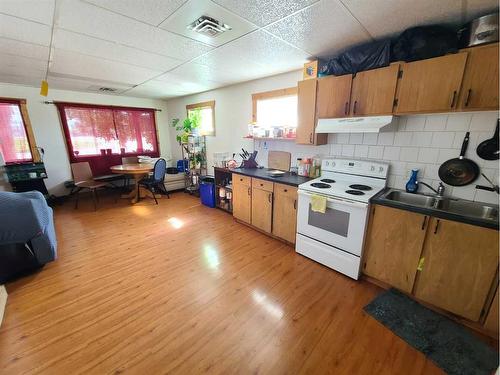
(181, 288)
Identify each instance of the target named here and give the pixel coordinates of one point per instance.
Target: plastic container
(207, 191)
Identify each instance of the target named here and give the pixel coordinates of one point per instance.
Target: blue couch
(27, 234)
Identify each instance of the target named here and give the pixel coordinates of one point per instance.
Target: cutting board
(279, 160)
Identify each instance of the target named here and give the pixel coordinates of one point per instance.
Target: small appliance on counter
(332, 213)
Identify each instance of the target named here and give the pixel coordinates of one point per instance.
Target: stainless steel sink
(468, 208)
(460, 207)
(411, 199)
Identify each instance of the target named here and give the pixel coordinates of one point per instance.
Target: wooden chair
(82, 176)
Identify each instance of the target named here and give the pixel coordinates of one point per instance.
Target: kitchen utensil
(459, 171)
(480, 31)
(489, 149)
(279, 160)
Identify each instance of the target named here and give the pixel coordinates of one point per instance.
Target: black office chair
(155, 183)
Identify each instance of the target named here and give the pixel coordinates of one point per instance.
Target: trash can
(207, 191)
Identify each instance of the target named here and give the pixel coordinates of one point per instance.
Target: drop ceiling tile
(186, 84)
(33, 10)
(70, 41)
(157, 89)
(478, 8)
(322, 29)
(25, 80)
(385, 18)
(193, 9)
(263, 12)
(100, 23)
(14, 47)
(21, 62)
(257, 54)
(65, 83)
(25, 31)
(87, 67)
(204, 73)
(149, 11)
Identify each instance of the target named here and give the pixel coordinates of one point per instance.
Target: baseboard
(3, 301)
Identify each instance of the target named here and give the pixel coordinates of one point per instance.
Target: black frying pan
(459, 171)
(488, 149)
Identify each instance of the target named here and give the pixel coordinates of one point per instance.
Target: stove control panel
(357, 167)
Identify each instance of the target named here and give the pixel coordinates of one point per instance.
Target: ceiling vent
(208, 26)
(107, 89)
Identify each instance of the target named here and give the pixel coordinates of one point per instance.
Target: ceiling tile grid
(143, 48)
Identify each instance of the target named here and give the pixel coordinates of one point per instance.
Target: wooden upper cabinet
(285, 212)
(394, 244)
(459, 266)
(262, 205)
(373, 91)
(334, 94)
(306, 114)
(480, 84)
(242, 198)
(431, 85)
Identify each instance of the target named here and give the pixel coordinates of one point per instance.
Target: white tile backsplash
(423, 142)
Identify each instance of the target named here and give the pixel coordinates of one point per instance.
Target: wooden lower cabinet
(491, 321)
(394, 244)
(262, 209)
(460, 262)
(242, 198)
(285, 212)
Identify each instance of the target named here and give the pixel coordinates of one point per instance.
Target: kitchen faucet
(440, 190)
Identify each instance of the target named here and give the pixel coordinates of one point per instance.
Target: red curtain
(14, 144)
(89, 129)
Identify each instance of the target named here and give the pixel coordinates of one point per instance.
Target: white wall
(233, 112)
(49, 134)
(422, 142)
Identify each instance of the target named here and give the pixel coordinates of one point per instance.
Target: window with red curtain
(14, 144)
(90, 129)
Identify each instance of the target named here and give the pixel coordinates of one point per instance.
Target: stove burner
(320, 185)
(354, 192)
(328, 180)
(360, 187)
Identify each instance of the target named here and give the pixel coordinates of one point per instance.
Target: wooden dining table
(136, 171)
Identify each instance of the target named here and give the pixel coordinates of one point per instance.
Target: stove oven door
(342, 225)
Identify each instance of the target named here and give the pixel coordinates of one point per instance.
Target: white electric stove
(335, 238)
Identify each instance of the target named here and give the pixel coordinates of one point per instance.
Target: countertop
(379, 199)
(287, 178)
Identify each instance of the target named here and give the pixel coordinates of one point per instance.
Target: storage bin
(207, 191)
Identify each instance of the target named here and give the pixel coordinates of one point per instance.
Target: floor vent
(208, 26)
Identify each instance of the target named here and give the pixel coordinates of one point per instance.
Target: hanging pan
(489, 149)
(459, 171)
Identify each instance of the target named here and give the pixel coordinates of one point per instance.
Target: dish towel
(318, 203)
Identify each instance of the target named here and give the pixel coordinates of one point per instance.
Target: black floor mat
(449, 345)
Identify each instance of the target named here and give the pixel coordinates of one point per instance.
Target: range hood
(370, 124)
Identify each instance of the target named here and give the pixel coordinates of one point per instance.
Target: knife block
(249, 164)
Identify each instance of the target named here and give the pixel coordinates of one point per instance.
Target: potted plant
(187, 127)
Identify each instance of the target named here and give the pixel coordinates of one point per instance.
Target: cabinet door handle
(285, 190)
(261, 184)
(425, 221)
(436, 228)
(453, 98)
(249, 191)
(295, 204)
(311, 138)
(346, 109)
(355, 105)
(468, 97)
(270, 197)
